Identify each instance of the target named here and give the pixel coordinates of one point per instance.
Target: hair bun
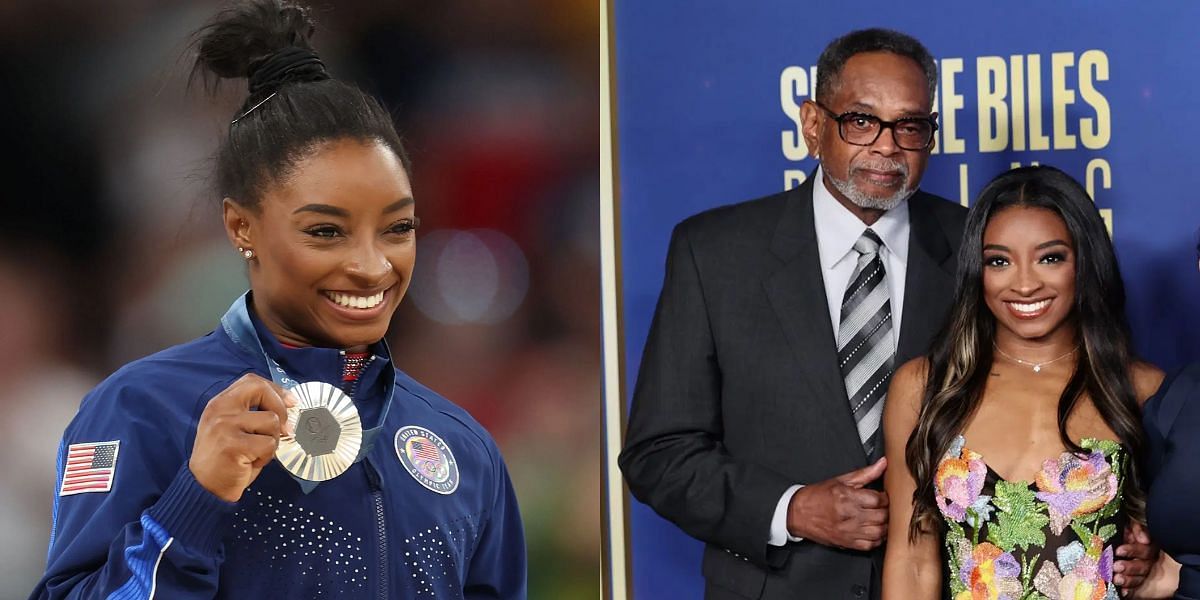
(264, 41)
(289, 65)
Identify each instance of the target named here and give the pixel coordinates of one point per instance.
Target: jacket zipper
(376, 488)
(380, 527)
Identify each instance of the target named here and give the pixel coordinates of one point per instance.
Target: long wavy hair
(961, 357)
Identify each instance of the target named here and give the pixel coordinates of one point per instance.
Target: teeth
(1029, 307)
(355, 301)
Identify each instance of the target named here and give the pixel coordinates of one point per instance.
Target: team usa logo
(427, 458)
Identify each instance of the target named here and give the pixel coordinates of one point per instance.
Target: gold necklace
(1037, 367)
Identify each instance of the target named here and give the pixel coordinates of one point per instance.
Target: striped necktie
(866, 350)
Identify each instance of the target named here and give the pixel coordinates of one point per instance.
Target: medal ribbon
(240, 329)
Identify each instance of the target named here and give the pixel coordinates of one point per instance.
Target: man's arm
(674, 457)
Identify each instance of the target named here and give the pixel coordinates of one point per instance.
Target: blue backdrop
(706, 105)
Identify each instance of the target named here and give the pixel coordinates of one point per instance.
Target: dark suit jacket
(739, 395)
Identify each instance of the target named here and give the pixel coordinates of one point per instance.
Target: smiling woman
(334, 245)
(1018, 438)
(283, 455)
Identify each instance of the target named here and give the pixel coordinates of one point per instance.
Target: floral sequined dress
(1015, 540)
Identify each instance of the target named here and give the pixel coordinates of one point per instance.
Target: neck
(283, 334)
(289, 337)
(1037, 350)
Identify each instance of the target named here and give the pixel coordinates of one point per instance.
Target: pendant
(1037, 368)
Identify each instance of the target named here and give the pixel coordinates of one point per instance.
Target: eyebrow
(860, 107)
(868, 108)
(334, 211)
(1050, 244)
(1041, 246)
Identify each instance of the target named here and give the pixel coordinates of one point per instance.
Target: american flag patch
(89, 468)
(426, 450)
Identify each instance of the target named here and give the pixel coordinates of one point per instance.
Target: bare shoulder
(1146, 379)
(908, 387)
(912, 374)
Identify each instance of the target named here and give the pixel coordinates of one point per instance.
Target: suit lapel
(929, 280)
(797, 294)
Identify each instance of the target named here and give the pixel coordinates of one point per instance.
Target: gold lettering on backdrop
(992, 89)
(1061, 97)
(1098, 167)
(1016, 70)
(1095, 134)
(950, 102)
(964, 193)
(1008, 122)
(793, 84)
(1038, 140)
(793, 178)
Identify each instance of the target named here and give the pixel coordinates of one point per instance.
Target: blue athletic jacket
(376, 531)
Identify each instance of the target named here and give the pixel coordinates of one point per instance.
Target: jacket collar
(315, 363)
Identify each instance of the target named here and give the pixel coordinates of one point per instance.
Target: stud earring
(247, 253)
(389, 264)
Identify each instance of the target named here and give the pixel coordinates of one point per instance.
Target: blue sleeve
(498, 567)
(157, 533)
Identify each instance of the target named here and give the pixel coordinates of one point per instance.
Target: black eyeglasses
(862, 129)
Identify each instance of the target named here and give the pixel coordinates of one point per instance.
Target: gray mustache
(884, 166)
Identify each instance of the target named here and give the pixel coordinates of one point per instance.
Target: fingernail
(291, 399)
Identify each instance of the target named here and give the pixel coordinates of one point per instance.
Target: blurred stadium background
(113, 247)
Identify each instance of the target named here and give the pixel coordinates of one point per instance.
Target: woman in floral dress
(1018, 437)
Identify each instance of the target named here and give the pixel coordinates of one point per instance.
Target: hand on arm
(911, 567)
(1140, 570)
(841, 512)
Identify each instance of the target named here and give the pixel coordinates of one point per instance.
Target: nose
(885, 144)
(1028, 281)
(367, 264)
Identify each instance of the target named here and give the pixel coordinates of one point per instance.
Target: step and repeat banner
(705, 104)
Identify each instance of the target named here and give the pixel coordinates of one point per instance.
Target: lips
(1029, 309)
(883, 176)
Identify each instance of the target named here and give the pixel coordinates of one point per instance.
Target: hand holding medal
(238, 434)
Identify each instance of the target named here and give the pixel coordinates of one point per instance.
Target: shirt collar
(838, 228)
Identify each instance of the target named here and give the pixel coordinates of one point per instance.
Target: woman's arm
(154, 532)
(912, 570)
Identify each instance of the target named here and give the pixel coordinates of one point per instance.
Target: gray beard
(860, 199)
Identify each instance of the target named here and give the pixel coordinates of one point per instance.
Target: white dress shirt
(837, 230)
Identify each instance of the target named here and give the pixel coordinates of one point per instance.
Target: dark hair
(835, 55)
(961, 356)
(292, 106)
